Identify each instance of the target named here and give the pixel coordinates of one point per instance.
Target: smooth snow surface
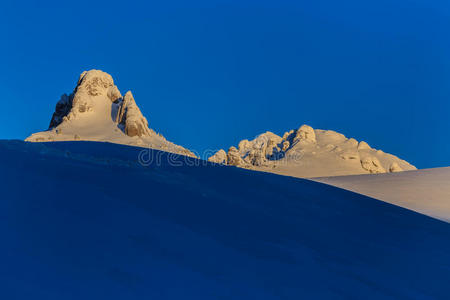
(425, 191)
(83, 220)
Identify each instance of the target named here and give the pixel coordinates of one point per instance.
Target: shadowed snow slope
(83, 220)
(426, 191)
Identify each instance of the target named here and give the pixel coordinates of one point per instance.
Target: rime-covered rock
(131, 118)
(285, 145)
(96, 111)
(305, 134)
(219, 157)
(244, 146)
(373, 165)
(62, 109)
(363, 146)
(309, 152)
(394, 167)
(233, 157)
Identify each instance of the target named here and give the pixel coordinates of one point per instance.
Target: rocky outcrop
(305, 134)
(220, 157)
(96, 86)
(363, 146)
(92, 86)
(266, 147)
(310, 151)
(131, 118)
(394, 167)
(372, 165)
(96, 111)
(62, 109)
(233, 157)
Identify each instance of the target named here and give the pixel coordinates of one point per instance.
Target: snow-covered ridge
(425, 191)
(97, 111)
(308, 152)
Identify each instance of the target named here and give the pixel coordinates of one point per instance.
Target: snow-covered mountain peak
(95, 89)
(96, 111)
(95, 82)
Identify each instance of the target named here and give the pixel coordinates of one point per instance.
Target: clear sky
(207, 74)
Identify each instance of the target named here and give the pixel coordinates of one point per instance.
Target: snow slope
(96, 111)
(308, 152)
(84, 220)
(426, 191)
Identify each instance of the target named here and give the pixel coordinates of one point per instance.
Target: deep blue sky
(210, 73)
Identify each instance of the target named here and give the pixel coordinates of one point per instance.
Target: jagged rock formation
(96, 111)
(308, 152)
(233, 157)
(131, 118)
(219, 157)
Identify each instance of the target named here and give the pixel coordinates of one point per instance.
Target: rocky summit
(97, 111)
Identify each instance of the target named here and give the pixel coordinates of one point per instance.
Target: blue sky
(210, 73)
